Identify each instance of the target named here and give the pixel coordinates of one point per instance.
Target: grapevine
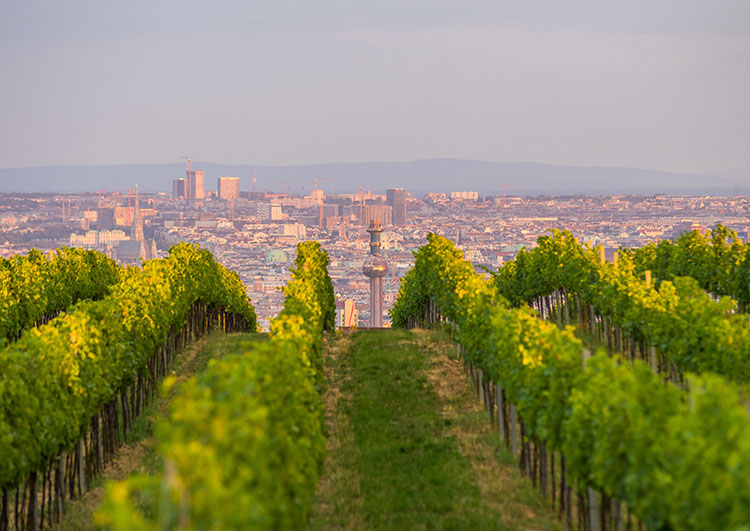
(690, 330)
(64, 385)
(615, 428)
(244, 442)
(35, 287)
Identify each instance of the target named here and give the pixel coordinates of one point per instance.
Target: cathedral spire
(137, 229)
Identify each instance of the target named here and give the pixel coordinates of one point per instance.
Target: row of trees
(606, 439)
(244, 441)
(35, 287)
(70, 389)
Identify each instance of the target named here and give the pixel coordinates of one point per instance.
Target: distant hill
(734, 174)
(436, 175)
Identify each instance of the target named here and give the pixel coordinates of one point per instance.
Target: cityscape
(256, 232)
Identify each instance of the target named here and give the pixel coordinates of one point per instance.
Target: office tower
(382, 213)
(195, 185)
(375, 268)
(328, 211)
(331, 210)
(105, 219)
(396, 199)
(179, 188)
(228, 188)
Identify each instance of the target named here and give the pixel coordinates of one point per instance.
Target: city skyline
(256, 234)
(486, 177)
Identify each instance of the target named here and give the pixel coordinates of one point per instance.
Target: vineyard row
(624, 444)
(689, 330)
(35, 288)
(71, 388)
(244, 442)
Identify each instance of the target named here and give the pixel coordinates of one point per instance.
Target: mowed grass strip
(518, 503)
(411, 470)
(338, 501)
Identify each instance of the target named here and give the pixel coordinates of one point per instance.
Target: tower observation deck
(375, 267)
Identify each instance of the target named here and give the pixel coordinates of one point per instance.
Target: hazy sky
(662, 84)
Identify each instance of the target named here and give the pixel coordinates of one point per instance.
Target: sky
(659, 84)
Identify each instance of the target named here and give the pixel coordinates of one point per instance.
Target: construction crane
(189, 162)
(361, 206)
(315, 182)
(65, 217)
(283, 185)
(314, 196)
(505, 188)
(130, 218)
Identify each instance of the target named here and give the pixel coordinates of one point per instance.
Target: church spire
(137, 229)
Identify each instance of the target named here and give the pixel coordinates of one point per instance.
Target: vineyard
(616, 390)
(244, 441)
(717, 260)
(34, 288)
(678, 327)
(607, 438)
(70, 388)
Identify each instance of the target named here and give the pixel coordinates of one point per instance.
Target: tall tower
(396, 199)
(375, 268)
(137, 230)
(179, 188)
(228, 188)
(195, 185)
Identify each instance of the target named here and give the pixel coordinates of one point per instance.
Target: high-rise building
(179, 188)
(228, 187)
(105, 219)
(329, 211)
(375, 267)
(396, 199)
(382, 213)
(195, 188)
(269, 212)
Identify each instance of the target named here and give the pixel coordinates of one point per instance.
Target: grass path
(410, 447)
(138, 456)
